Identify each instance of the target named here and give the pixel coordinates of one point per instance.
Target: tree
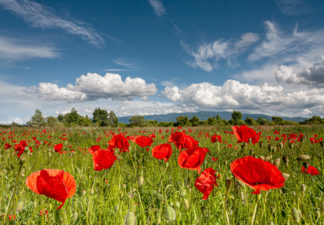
(72, 117)
(137, 121)
(314, 120)
(250, 121)
(112, 119)
(60, 118)
(51, 121)
(277, 120)
(37, 119)
(100, 116)
(194, 121)
(236, 118)
(262, 121)
(182, 121)
(84, 121)
(211, 121)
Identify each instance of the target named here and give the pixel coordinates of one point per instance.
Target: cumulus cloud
(258, 98)
(157, 6)
(313, 76)
(16, 120)
(209, 55)
(93, 86)
(40, 16)
(13, 49)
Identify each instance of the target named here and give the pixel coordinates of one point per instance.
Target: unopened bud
(303, 157)
(186, 203)
(303, 186)
(277, 162)
(170, 214)
(20, 206)
(130, 219)
(285, 175)
(267, 158)
(285, 160)
(296, 215)
(141, 180)
(228, 184)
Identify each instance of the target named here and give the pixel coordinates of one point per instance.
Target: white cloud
(13, 49)
(40, 16)
(14, 120)
(263, 98)
(122, 62)
(94, 86)
(208, 55)
(157, 6)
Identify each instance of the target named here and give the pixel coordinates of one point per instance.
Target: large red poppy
(103, 159)
(162, 151)
(192, 158)
(206, 182)
(119, 141)
(143, 141)
(245, 134)
(182, 140)
(257, 174)
(53, 183)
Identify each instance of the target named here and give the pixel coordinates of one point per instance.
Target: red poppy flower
(182, 140)
(162, 151)
(143, 141)
(94, 148)
(20, 148)
(310, 170)
(192, 158)
(103, 159)
(58, 147)
(257, 174)
(119, 141)
(216, 138)
(7, 145)
(245, 134)
(53, 183)
(206, 182)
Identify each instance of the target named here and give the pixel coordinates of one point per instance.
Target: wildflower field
(201, 175)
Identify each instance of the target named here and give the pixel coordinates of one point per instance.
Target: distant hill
(203, 115)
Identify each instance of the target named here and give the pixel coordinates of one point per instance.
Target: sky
(161, 56)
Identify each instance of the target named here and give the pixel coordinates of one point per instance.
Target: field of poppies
(201, 175)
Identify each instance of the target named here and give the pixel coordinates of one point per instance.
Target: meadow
(141, 189)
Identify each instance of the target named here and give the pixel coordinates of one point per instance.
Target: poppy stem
(254, 213)
(226, 211)
(13, 193)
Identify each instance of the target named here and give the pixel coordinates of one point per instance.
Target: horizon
(157, 57)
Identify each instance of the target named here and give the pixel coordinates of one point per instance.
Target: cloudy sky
(161, 56)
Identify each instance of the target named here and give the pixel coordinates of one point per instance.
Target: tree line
(103, 118)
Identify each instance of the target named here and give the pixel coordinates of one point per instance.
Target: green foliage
(250, 121)
(194, 121)
(262, 121)
(236, 118)
(137, 121)
(152, 123)
(182, 121)
(37, 119)
(51, 121)
(211, 120)
(165, 124)
(112, 119)
(314, 120)
(100, 116)
(278, 120)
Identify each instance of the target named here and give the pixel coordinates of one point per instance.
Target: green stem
(254, 213)
(13, 193)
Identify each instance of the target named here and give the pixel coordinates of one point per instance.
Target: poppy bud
(277, 162)
(285, 175)
(296, 215)
(303, 157)
(141, 180)
(75, 215)
(261, 144)
(269, 148)
(23, 158)
(322, 144)
(20, 206)
(186, 203)
(281, 145)
(271, 223)
(303, 186)
(285, 160)
(170, 214)
(130, 219)
(267, 158)
(262, 157)
(243, 198)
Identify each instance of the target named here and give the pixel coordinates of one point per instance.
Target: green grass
(141, 184)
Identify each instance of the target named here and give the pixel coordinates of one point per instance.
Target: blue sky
(158, 56)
